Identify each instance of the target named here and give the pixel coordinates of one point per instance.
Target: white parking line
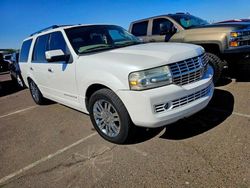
(30, 166)
(242, 115)
(18, 111)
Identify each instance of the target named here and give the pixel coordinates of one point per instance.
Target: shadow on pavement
(218, 110)
(238, 70)
(8, 87)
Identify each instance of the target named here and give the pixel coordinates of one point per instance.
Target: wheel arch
(92, 89)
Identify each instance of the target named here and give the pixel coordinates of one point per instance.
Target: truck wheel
(109, 116)
(36, 93)
(217, 65)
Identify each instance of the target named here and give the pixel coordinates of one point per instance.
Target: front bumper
(141, 104)
(238, 50)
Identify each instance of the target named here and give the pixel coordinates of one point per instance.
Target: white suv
(105, 71)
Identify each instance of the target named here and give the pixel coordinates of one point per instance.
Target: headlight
(150, 78)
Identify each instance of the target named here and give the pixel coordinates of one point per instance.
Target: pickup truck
(105, 71)
(225, 43)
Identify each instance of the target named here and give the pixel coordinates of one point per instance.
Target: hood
(229, 26)
(144, 56)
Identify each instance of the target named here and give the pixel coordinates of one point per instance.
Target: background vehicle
(15, 71)
(235, 20)
(4, 65)
(223, 42)
(105, 71)
(7, 57)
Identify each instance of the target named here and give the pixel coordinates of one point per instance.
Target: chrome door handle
(50, 70)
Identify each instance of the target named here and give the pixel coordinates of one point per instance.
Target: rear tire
(110, 117)
(20, 82)
(217, 65)
(36, 93)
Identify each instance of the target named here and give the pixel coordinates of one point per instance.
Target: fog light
(166, 106)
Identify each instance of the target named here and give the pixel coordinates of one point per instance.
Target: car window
(57, 42)
(116, 35)
(87, 39)
(40, 48)
(25, 50)
(140, 29)
(189, 21)
(161, 23)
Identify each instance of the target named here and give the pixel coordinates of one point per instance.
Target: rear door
(61, 74)
(140, 30)
(39, 65)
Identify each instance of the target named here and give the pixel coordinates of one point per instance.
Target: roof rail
(48, 28)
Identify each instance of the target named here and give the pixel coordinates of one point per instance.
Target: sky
(20, 18)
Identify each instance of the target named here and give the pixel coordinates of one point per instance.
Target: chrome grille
(190, 98)
(190, 70)
(182, 101)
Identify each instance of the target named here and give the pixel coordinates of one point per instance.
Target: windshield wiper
(96, 48)
(127, 43)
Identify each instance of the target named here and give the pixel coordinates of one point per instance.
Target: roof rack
(49, 28)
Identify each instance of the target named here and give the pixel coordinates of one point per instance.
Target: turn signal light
(234, 44)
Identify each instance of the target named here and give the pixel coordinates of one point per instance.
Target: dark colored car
(15, 71)
(4, 65)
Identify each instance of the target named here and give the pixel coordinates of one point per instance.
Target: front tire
(109, 116)
(217, 65)
(36, 93)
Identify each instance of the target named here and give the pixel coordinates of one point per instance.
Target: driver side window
(161, 26)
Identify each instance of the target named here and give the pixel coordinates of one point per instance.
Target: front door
(61, 74)
(161, 30)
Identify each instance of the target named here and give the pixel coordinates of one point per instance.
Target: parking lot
(55, 146)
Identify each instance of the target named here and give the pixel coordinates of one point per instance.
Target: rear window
(140, 29)
(25, 50)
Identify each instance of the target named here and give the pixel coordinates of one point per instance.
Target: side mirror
(56, 55)
(167, 28)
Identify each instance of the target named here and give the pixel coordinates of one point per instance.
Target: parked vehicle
(222, 42)
(3, 64)
(105, 71)
(15, 71)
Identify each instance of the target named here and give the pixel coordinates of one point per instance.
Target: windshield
(86, 39)
(188, 21)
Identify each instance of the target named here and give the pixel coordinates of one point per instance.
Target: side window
(161, 24)
(140, 29)
(40, 48)
(25, 50)
(57, 42)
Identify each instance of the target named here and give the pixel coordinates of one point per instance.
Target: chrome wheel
(106, 118)
(34, 91)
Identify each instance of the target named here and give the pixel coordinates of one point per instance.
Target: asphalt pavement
(56, 146)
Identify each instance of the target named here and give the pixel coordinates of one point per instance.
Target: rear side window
(140, 29)
(25, 50)
(161, 23)
(57, 42)
(40, 48)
